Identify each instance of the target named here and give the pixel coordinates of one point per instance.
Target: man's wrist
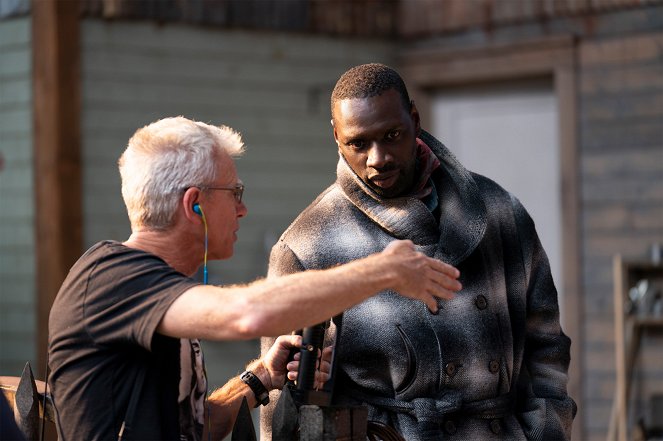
(261, 371)
(257, 386)
(383, 271)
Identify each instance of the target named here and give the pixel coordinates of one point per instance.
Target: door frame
(428, 69)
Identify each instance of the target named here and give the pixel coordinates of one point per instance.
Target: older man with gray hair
(124, 352)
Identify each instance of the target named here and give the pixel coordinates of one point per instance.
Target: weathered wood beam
(56, 146)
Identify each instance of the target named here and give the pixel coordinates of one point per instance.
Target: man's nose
(378, 156)
(241, 209)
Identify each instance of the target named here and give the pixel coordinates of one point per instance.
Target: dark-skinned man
(492, 362)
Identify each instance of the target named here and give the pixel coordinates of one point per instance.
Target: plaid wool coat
(492, 364)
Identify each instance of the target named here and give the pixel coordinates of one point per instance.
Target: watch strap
(259, 390)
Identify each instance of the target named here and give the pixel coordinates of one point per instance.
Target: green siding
(17, 254)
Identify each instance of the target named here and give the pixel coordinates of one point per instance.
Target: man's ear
(190, 198)
(334, 130)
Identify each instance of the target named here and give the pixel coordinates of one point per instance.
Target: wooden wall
(621, 138)
(367, 18)
(419, 18)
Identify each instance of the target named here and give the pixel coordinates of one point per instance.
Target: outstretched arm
(280, 305)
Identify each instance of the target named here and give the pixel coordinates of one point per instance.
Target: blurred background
(560, 101)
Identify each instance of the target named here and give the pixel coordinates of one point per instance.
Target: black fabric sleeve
(143, 288)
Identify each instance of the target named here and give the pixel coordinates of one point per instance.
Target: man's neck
(166, 245)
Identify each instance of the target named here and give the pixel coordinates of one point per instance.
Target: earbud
(197, 209)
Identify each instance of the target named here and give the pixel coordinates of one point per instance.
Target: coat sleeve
(546, 411)
(282, 261)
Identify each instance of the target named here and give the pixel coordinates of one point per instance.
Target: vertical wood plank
(620, 389)
(56, 145)
(566, 90)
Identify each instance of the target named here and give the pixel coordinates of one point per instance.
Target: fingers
(320, 379)
(276, 358)
(288, 341)
(322, 363)
(431, 303)
(321, 376)
(443, 268)
(279, 368)
(439, 281)
(326, 357)
(399, 246)
(323, 367)
(445, 283)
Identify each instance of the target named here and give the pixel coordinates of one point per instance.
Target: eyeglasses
(238, 190)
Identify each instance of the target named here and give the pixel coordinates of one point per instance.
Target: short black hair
(369, 80)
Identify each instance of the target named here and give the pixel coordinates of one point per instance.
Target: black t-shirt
(102, 335)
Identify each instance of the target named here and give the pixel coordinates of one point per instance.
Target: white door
(509, 133)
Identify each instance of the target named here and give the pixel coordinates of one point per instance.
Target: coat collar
(463, 219)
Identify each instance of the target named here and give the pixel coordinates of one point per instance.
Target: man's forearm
(222, 407)
(275, 306)
(224, 403)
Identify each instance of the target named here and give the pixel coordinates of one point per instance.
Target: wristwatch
(259, 390)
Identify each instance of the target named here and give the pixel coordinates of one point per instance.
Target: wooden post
(56, 146)
(565, 77)
(26, 405)
(333, 423)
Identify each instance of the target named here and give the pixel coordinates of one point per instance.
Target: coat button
(481, 302)
(450, 369)
(450, 427)
(495, 427)
(494, 366)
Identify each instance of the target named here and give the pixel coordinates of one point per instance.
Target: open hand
(419, 276)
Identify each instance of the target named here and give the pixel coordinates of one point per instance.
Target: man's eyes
(359, 144)
(393, 135)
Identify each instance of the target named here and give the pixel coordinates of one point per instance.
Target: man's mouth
(385, 180)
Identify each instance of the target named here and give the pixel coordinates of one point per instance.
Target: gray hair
(165, 158)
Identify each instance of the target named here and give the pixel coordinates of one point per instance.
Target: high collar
(463, 213)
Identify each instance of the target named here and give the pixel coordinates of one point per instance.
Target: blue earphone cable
(202, 213)
(199, 209)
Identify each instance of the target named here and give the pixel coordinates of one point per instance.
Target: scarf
(427, 163)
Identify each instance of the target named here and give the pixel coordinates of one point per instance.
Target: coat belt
(437, 409)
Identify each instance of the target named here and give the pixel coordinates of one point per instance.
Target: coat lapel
(463, 219)
(402, 217)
